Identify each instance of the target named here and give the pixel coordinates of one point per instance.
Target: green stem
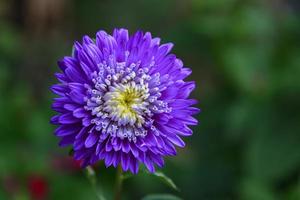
(119, 181)
(91, 175)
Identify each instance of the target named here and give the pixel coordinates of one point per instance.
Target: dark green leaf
(168, 181)
(91, 175)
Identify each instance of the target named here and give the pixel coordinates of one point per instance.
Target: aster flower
(122, 99)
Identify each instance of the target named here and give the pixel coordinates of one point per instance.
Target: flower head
(122, 99)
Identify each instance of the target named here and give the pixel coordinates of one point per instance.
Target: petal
(61, 77)
(116, 159)
(134, 150)
(182, 103)
(54, 120)
(108, 146)
(80, 113)
(125, 146)
(121, 36)
(134, 40)
(105, 41)
(65, 130)
(163, 50)
(86, 121)
(99, 147)
(91, 140)
(58, 106)
(70, 106)
(175, 139)
(133, 165)
(125, 161)
(77, 97)
(185, 90)
(67, 118)
(74, 75)
(67, 140)
(59, 89)
(184, 72)
(157, 159)
(108, 159)
(149, 164)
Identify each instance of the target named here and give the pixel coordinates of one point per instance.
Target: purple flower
(122, 99)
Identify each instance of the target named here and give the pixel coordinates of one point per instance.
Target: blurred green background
(245, 56)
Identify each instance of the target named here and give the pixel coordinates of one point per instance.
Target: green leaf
(91, 175)
(161, 197)
(164, 178)
(168, 181)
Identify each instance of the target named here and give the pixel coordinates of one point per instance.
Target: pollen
(126, 103)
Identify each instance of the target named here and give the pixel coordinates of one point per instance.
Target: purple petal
(65, 130)
(108, 159)
(67, 140)
(91, 140)
(54, 120)
(175, 139)
(70, 106)
(125, 146)
(105, 41)
(125, 161)
(59, 89)
(182, 103)
(133, 165)
(149, 164)
(77, 97)
(67, 118)
(80, 113)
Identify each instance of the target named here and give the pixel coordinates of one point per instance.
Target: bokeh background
(245, 56)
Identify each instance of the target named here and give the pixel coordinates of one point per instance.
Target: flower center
(124, 100)
(126, 103)
(127, 98)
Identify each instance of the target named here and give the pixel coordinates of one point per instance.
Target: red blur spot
(37, 187)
